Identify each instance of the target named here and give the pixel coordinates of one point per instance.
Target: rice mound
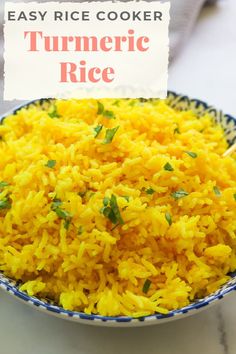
(116, 207)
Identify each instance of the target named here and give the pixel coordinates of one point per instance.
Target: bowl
(179, 102)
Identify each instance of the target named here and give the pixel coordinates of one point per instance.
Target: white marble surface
(205, 69)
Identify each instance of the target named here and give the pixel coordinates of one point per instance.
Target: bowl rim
(8, 285)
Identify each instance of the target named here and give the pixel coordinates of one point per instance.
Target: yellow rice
(91, 265)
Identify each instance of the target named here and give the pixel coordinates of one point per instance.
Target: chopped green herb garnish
(80, 230)
(110, 133)
(106, 201)
(216, 191)
(179, 194)
(97, 130)
(114, 206)
(126, 197)
(63, 214)
(105, 211)
(82, 194)
(67, 224)
(2, 120)
(146, 286)
(176, 131)
(3, 184)
(108, 114)
(168, 167)
(100, 108)
(168, 218)
(111, 210)
(51, 163)
(150, 191)
(54, 113)
(235, 196)
(191, 154)
(105, 113)
(5, 204)
(116, 103)
(56, 203)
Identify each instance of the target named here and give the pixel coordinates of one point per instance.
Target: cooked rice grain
(76, 255)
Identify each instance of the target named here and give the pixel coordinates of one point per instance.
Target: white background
(206, 68)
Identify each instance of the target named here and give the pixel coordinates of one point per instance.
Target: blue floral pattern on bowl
(178, 102)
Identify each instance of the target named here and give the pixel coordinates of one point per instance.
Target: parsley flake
(150, 191)
(2, 120)
(146, 286)
(56, 203)
(179, 194)
(110, 133)
(111, 210)
(191, 154)
(61, 213)
(5, 204)
(168, 218)
(100, 108)
(235, 196)
(51, 163)
(114, 206)
(108, 114)
(67, 224)
(3, 184)
(82, 194)
(168, 167)
(53, 113)
(106, 201)
(97, 130)
(126, 197)
(217, 191)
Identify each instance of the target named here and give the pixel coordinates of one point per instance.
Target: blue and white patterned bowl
(181, 103)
